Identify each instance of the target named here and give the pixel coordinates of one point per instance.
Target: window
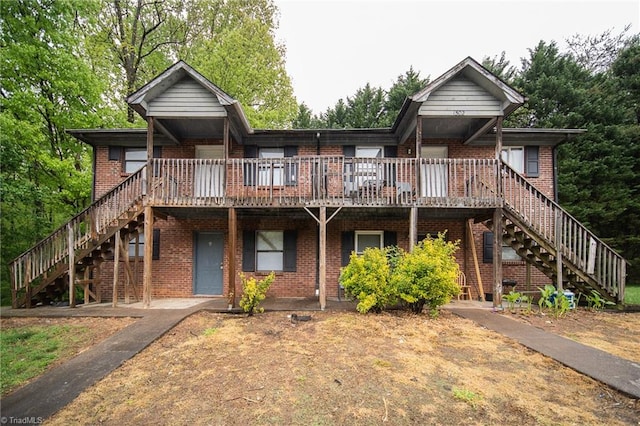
(514, 157)
(366, 239)
(359, 240)
(269, 251)
(271, 173)
(156, 245)
(523, 160)
(508, 253)
(134, 159)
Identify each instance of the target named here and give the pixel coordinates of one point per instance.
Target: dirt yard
(347, 368)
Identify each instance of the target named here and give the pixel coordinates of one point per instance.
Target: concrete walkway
(619, 373)
(58, 387)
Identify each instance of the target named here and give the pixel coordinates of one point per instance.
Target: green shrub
(596, 302)
(254, 292)
(428, 275)
(366, 278)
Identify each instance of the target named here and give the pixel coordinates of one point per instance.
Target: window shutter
(390, 238)
(248, 251)
(531, 161)
(250, 170)
(156, 245)
(290, 166)
(290, 251)
(157, 152)
(114, 153)
(348, 245)
(487, 247)
(390, 169)
(349, 151)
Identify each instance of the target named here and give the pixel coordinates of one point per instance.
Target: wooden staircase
(540, 231)
(41, 274)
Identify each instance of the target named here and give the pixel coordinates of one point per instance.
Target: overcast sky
(336, 47)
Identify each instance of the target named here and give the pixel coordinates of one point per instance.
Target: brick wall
(173, 272)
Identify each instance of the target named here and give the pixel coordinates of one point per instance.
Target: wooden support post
(527, 278)
(27, 286)
(413, 228)
(231, 255)
(148, 256)
(116, 266)
(86, 283)
(497, 258)
(476, 264)
(97, 283)
(559, 285)
(322, 257)
(149, 175)
(72, 267)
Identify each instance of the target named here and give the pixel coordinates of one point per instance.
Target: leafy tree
(372, 107)
(500, 66)
(306, 119)
(132, 39)
(597, 53)
(405, 86)
(45, 88)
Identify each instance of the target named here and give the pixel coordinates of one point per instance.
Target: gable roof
(440, 104)
(173, 77)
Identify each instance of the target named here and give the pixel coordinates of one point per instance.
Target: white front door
(209, 174)
(433, 174)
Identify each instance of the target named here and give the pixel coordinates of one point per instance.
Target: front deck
(324, 181)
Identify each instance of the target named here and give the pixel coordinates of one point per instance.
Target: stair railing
(83, 228)
(561, 230)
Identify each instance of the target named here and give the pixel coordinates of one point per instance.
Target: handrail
(83, 228)
(561, 230)
(323, 180)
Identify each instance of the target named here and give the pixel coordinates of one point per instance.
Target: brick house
(183, 206)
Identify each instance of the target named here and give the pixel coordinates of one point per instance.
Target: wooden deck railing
(80, 231)
(559, 229)
(324, 180)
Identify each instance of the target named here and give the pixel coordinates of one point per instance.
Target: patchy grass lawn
(344, 368)
(29, 346)
(632, 295)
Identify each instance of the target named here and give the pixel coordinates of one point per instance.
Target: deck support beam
(148, 256)
(233, 237)
(72, 267)
(322, 257)
(497, 221)
(116, 265)
(497, 258)
(559, 285)
(413, 228)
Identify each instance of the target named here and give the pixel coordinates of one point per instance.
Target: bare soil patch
(344, 368)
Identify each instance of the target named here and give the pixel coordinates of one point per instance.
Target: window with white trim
(273, 173)
(514, 157)
(269, 250)
(366, 239)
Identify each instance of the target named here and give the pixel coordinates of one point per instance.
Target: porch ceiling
(453, 127)
(193, 128)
